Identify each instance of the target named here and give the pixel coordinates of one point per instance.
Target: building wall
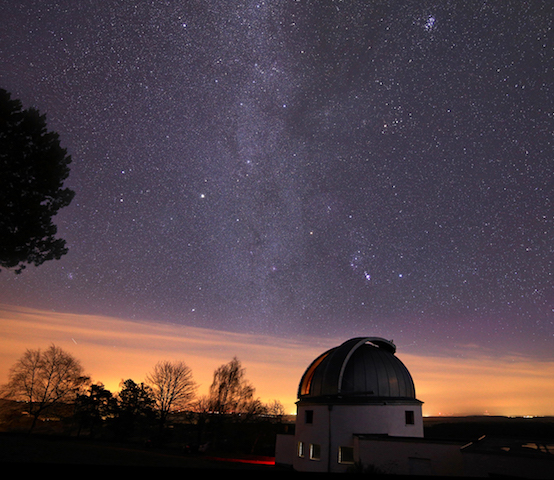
(396, 456)
(418, 456)
(312, 432)
(285, 449)
(329, 427)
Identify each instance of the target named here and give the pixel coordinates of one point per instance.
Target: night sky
(325, 168)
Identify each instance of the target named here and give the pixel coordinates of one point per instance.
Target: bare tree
(173, 387)
(230, 392)
(45, 380)
(275, 409)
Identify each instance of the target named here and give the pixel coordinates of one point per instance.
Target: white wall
(410, 457)
(334, 426)
(313, 433)
(285, 449)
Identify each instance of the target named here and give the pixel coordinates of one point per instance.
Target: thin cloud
(113, 349)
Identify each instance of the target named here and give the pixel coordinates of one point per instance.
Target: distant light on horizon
(113, 349)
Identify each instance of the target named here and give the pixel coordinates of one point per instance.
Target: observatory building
(359, 387)
(357, 411)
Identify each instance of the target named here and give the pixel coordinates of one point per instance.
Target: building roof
(362, 368)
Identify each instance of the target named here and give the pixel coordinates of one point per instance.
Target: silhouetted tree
(172, 386)
(44, 380)
(230, 417)
(135, 407)
(230, 392)
(275, 409)
(33, 167)
(93, 406)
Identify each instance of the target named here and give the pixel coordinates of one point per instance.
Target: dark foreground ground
(35, 453)
(71, 457)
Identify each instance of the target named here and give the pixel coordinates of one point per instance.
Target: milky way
(282, 167)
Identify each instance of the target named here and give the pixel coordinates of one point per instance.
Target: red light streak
(249, 460)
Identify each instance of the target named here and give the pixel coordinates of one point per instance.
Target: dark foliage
(134, 411)
(93, 407)
(33, 167)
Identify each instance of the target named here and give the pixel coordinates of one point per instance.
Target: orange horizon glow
(113, 349)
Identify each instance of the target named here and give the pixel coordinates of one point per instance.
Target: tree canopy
(173, 387)
(33, 167)
(45, 379)
(45, 385)
(230, 391)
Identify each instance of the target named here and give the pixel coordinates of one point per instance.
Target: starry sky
(283, 168)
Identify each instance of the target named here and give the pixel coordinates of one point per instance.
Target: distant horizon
(112, 350)
(530, 417)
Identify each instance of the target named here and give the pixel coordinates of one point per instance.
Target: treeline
(163, 409)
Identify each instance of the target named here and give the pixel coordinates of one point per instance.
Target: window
(346, 455)
(309, 416)
(315, 451)
(300, 450)
(410, 417)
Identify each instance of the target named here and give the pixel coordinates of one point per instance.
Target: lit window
(346, 455)
(315, 451)
(301, 449)
(410, 417)
(309, 416)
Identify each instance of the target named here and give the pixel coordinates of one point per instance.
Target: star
(274, 165)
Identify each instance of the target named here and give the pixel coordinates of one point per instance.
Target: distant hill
(473, 427)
